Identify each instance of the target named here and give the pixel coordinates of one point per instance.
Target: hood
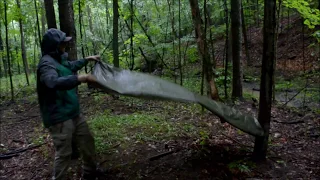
(51, 40)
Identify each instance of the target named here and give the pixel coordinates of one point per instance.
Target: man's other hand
(93, 58)
(86, 78)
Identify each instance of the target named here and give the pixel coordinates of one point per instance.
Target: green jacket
(56, 84)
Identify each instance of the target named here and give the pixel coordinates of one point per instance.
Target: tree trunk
(81, 34)
(267, 70)
(66, 17)
(38, 23)
(210, 23)
(131, 36)
(23, 47)
(8, 48)
(91, 29)
(180, 64)
(236, 49)
(226, 50)
(51, 17)
(245, 37)
(107, 15)
(43, 19)
(202, 50)
(115, 33)
(5, 65)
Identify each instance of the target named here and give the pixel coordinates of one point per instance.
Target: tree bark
(245, 37)
(43, 19)
(180, 64)
(236, 49)
(66, 17)
(131, 36)
(5, 65)
(37, 18)
(51, 17)
(210, 23)
(81, 34)
(115, 33)
(267, 70)
(91, 29)
(107, 15)
(202, 50)
(23, 47)
(8, 48)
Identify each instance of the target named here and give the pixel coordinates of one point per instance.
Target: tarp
(141, 85)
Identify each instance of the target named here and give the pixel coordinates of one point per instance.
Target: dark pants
(63, 135)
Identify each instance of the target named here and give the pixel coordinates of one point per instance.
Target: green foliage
(204, 136)
(220, 76)
(310, 15)
(192, 54)
(242, 166)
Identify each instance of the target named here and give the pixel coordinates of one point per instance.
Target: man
(59, 104)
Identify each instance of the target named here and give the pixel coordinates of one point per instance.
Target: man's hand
(93, 58)
(86, 78)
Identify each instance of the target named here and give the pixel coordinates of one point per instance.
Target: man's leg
(86, 145)
(62, 139)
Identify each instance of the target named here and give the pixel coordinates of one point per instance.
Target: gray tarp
(130, 83)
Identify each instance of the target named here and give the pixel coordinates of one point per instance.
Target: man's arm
(49, 76)
(77, 65)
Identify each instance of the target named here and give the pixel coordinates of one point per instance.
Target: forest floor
(130, 133)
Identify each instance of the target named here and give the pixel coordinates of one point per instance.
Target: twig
(292, 122)
(163, 154)
(295, 95)
(17, 152)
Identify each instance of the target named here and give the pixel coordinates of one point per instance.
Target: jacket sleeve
(77, 65)
(49, 76)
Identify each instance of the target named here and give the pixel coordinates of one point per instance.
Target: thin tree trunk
(236, 49)
(278, 11)
(5, 65)
(66, 17)
(91, 29)
(203, 53)
(171, 10)
(8, 48)
(245, 37)
(209, 21)
(43, 19)
(15, 57)
(38, 23)
(23, 47)
(107, 15)
(51, 17)
(180, 64)
(267, 70)
(115, 33)
(131, 36)
(226, 50)
(81, 34)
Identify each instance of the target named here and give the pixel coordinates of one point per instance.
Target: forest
(261, 57)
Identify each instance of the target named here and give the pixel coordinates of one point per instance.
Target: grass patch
(20, 87)
(135, 128)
